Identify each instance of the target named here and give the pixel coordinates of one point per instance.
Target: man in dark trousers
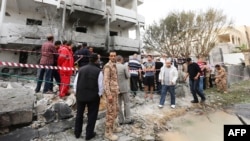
(194, 72)
(158, 65)
(88, 94)
(47, 59)
(55, 74)
(135, 69)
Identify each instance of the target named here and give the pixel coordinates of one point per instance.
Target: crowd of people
(116, 80)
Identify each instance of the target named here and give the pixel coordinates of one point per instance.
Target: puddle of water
(196, 128)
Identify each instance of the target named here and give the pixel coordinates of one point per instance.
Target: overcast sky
(238, 10)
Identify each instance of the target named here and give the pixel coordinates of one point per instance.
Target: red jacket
(65, 59)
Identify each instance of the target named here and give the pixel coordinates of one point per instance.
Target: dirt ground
(197, 125)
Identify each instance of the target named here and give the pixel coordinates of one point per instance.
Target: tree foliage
(186, 32)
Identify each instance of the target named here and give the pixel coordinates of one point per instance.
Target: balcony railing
(25, 34)
(122, 43)
(95, 40)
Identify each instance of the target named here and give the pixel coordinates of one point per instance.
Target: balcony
(128, 2)
(89, 6)
(125, 14)
(124, 44)
(25, 34)
(51, 2)
(95, 40)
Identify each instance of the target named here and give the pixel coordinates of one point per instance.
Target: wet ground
(208, 126)
(193, 127)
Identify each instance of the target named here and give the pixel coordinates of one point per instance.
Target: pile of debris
(47, 117)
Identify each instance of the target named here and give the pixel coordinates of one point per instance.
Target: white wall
(9, 56)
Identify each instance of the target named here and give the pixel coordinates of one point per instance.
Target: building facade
(103, 24)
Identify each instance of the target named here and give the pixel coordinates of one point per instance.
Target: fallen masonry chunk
(16, 106)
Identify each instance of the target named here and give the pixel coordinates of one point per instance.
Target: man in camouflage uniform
(221, 79)
(111, 91)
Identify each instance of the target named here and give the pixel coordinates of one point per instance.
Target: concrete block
(16, 106)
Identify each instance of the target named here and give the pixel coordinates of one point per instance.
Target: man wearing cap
(194, 72)
(88, 95)
(47, 59)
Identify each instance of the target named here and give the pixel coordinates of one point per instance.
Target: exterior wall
(236, 36)
(16, 34)
(243, 30)
(237, 73)
(9, 56)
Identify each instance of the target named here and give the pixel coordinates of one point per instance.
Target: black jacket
(87, 83)
(85, 60)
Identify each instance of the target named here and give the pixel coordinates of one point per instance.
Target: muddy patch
(193, 127)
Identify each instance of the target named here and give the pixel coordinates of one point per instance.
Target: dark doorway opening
(23, 57)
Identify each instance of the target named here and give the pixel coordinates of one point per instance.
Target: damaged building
(103, 24)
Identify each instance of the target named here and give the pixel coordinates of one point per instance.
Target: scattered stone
(41, 106)
(126, 138)
(63, 110)
(16, 85)
(71, 100)
(4, 85)
(49, 115)
(148, 138)
(60, 126)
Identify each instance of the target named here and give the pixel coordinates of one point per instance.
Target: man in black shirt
(84, 52)
(88, 95)
(158, 65)
(194, 72)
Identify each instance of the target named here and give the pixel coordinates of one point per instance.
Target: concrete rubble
(45, 117)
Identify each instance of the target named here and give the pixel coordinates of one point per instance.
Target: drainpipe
(113, 5)
(138, 36)
(2, 13)
(63, 17)
(107, 28)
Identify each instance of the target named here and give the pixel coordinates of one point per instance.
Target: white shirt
(100, 83)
